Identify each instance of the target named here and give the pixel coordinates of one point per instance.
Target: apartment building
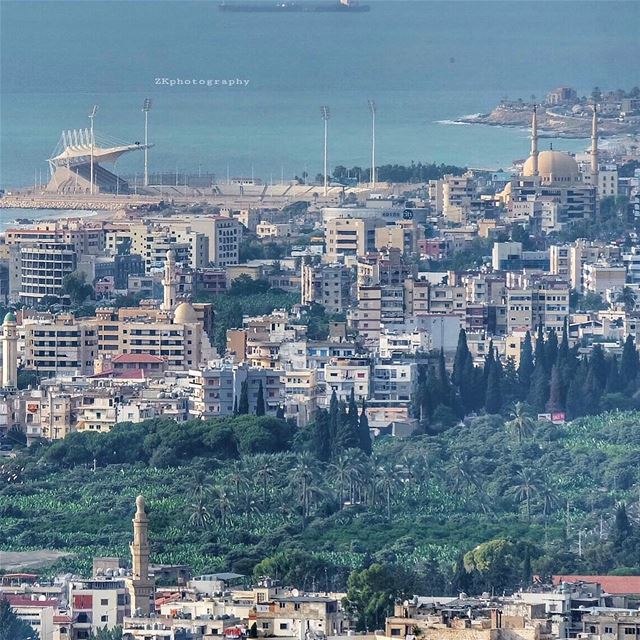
(350, 238)
(328, 285)
(64, 345)
(215, 391)
(394, 382)
(344, 374)
(599, 276)
(43, 267)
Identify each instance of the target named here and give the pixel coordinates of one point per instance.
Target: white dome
(553, 166)
(185, 314)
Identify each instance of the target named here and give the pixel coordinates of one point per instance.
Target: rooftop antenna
(324, 111)
(372, 109)
(92, 115)
(146, 107)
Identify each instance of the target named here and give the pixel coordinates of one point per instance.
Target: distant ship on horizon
(292, 6)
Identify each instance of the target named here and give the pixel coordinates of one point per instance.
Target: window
(104, 602)
(104, 618)
(284, 625)
(395, 632)
(265, 625)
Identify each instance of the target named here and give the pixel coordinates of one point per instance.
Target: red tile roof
(22, 601)
(131, 358)
(615, 585)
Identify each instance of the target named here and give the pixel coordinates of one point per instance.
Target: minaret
(534, 139)
(594, 148)
(141, 586)
(9, 352)
(169, 282)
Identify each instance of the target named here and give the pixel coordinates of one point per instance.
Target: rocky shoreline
(552, 124)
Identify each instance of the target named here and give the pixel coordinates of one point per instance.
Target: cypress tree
(556, 399)
(622, 528)
(468, 394)
(334, 417)
(525, 370)
(321, 436)
(235, 406)
(363, 430)
(575, 393)
(260, 408)
(614, 382)
(539, 389)
(489, 360)
(629, 361)
(243, 404)
(443, 380)
(551, 350)
(598, 366)
(539, 354)
(591, 393)
(510, 385)
(460, 361)
(563, 349)
(493, 399)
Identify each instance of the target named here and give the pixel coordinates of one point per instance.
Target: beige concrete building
(599, 276)
(64, 345)
(350, 238)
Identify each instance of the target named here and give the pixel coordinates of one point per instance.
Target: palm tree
(387, 482)
(237, 476)
(264, 472)
(200, 516)
(222, 504)
(199, 487)
(550, 498)
(304, 475)
(527, 483)
(341, 471)
(521, 423)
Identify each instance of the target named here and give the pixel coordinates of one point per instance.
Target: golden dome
(553, 166)
(185, 314)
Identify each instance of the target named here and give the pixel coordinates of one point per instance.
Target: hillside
(415, 506)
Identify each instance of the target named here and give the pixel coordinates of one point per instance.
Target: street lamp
(146, 107)
(324, 111)
(372, 109)
(92, 115)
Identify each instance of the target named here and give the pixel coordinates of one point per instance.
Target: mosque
(552, 190)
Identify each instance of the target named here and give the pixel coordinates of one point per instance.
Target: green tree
(521, 423)
(629, 361)
(493, 401)
(494, 564)
(76, 287)
(260, 409)
(11, 627)
(525, 486)
(363, 430)
(243, 404)
(525, 370)
(460, 360)
(370, 596)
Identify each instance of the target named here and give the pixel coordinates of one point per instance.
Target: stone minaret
(9, 352)
(594, 148)
(141, 585)
(169, 282)
(534, 139)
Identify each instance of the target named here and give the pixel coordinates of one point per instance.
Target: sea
(239, 94)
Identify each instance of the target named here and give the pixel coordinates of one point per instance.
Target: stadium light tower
(146, 107)
(324, 111)
(372, 109)
(92, 115)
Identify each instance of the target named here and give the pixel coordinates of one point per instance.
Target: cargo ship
(345, 6)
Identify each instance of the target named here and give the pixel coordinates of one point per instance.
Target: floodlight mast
(92, 115)
(146, 107)
(324, 111)
(372, 109)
